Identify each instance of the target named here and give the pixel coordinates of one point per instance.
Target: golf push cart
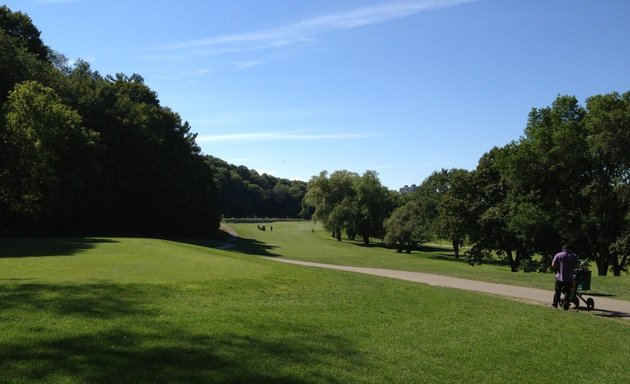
(581, 283)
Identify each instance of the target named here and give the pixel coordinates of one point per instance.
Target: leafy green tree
(492, 211)
(81, 153)
(607, 129)
(20, 26)
(244, 192)
(429, 193)
(44, 143)
(455, 219)
(373, 204)
(333, 200)
(441, 217)
(407, 227)
(17, 65)
(565, 177)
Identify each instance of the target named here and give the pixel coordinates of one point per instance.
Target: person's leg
(567, 287)
(556, 295)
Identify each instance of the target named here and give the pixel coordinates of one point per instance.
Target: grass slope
(305, 241)
(145, 311)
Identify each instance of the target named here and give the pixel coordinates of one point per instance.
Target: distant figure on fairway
(564, 264)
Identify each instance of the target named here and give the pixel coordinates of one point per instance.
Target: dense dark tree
(81, 153)
(492, 211)
(246, 193)
(432, 194)
(607, 126)
(565, 181)
(20, 26)
(17, 64)
(455, 219)
(374, 203)
(47, 155)
(566, 177)
(407, 227)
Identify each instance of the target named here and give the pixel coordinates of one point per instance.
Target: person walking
(564, 264)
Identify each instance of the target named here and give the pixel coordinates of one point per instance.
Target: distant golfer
(564, 264)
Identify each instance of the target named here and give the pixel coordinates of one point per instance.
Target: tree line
(565, 181)
(244, 192)
(82, 153)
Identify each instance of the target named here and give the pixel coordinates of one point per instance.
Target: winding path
(603, 306)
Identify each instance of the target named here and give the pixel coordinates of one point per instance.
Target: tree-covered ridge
(244, 192)
(85, 153)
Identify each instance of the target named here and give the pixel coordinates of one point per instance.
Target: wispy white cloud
(280, 136)
(249, 64)
(256, 116)
(306, 30)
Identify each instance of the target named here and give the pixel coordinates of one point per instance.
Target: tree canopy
(566, 180)
(85, 154)
(346, 201)
(244, 192)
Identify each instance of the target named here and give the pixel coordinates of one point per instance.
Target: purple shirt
(565, 263)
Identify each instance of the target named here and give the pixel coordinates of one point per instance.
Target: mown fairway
(305, 241)
(152, 311)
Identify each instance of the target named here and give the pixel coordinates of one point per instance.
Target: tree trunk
(603, 261)
(617, 265)
(456, 247)
(338, 234)
(513, 262)
(602, 267)
(366, 240)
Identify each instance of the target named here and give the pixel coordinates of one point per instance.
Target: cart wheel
(590, 303)
(576, 302)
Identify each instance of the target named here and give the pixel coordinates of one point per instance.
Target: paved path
(230, 242)
(603, 306)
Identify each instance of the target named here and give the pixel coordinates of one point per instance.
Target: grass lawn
(305, 241)
(95, 310)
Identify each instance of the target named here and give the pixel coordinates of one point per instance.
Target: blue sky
(405, 88)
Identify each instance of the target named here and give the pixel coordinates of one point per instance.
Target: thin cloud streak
(304, 31)
(279, 136)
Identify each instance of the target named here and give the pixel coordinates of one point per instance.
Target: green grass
(298, 241)
(147, 311)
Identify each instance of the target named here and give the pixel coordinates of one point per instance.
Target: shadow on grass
(436, 248)
(462, 259)
(38, 247)
(172, 356)
(129, 344)
(446, 257)
(99, 301)
(614, 314)
(253, 247)
(235, 244)
(602, 312)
